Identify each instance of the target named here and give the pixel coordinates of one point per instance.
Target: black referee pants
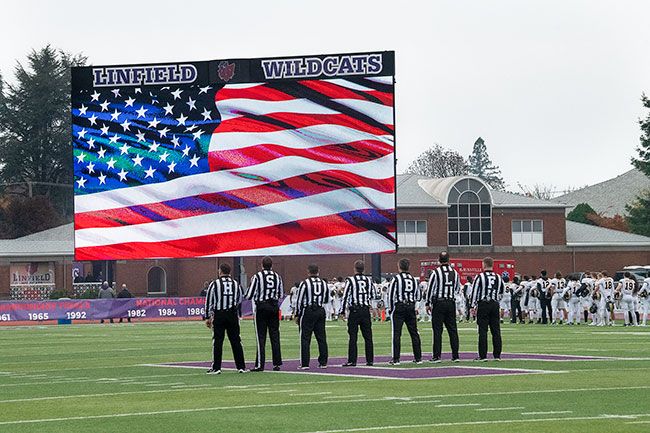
(545, 302)
(487, 315)
(444, 312)
(515, 310)
(226, 321)
(313, 321)
(359, 317)
(405, 314)
(267, 319)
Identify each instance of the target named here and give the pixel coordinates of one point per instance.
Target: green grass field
(91, 378)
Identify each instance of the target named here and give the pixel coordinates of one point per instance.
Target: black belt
(267, 301)
(406, 304)
(487, 300)
(443, 299)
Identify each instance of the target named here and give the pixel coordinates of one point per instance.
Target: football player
(558, 305)
(626, 287)
(644, 301)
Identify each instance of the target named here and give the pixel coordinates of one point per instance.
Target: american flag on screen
(277, 168)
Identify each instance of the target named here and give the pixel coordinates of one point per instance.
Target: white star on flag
(101, 152)
(140, 136)
(141, 112)
(154, 147)
(153, 123)
(81, 182)
(181, 120)
(114, 138)
(116, 92)
(81, 157)
(104, 105)
(111, 163)
(93, 119)
(194, 161)
(82, 110)
(126, 125)
(129, 102)
(169, 109)
(175, 142)
(95, 96)
(186, 151)
(177, 93)
(122, 174)
(191, 103)
(164, 156)
(104, 130)
(91, 143)
(124, 149)
(137, 160)
(164, 131)
(171, 166)
(204, 89)
(150, 172)
(102, 178)
(91, 168)
(206, 114)
(82, 133)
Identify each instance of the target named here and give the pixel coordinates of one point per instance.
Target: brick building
(460, 214)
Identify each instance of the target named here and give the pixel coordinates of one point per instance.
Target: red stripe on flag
(223, 243)
(261, 93)
(263, 123)
(334, 91)
(260, 195)
(347, 153)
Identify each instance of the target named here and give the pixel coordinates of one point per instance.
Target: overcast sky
(552, 86)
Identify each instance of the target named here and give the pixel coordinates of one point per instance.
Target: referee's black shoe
(349, 364)
(436, 360)
(369, 364)
(276, 368)
(256, 369)
(477, 359)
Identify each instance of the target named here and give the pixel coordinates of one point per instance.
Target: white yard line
(344, 396)
(459, 405)
(203, 409)
(306, 394)
(550, 412)
(489, 409)
(469, 423)
(277, 391)
(418, 402)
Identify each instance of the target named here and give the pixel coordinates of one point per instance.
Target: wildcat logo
(226, 71)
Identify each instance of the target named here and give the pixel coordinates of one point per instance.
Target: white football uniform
(558, 304)
(504, 303)
(606, 289)
(644, 301)
(575, 307)
(627, 286)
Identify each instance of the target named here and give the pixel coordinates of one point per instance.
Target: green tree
(481, 166)
(643, 161)
(581, 214)
(638, 213)
(35, 144)
(439, 162)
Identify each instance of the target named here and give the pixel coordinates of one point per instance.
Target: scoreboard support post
(375, 260)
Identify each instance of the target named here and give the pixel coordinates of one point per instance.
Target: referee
(488, 288)
(444, 283)
(265, 290)
(313, 293)
(359, 291)
(221, 308)
(403, 293)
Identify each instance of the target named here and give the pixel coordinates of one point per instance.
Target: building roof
(609, 198)
(411, 194)
(429, 192)
(58, 241)
(578, 234)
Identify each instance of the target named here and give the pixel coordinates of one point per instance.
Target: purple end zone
(391, 372)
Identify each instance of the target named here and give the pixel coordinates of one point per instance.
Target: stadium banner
(32, 273)
(235, 157)
(97, 309)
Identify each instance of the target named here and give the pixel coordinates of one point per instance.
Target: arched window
(156, 280)
(469, 216)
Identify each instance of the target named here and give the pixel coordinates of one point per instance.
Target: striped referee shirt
(312, 291)
(224, 293)
(443, 284)
(265, 285)
(488, 286)
(404, 289)
(359, 290)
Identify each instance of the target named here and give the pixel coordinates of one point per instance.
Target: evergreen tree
(582, 214)
(481, 166)
(439, 162)
(35, 141)
(638, 213)
(643, 161)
